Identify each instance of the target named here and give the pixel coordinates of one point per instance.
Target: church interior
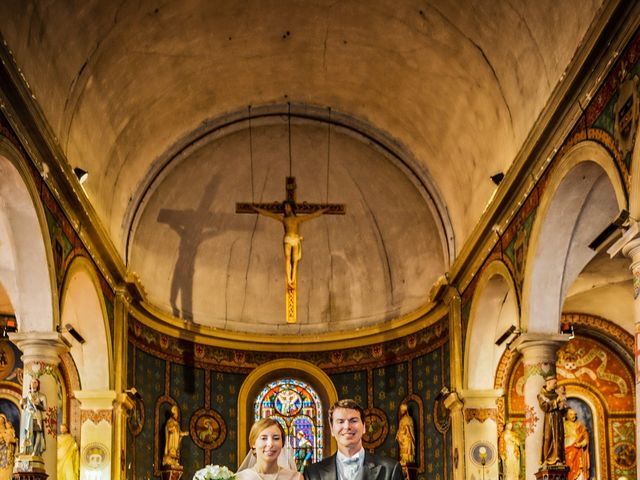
(458, 189)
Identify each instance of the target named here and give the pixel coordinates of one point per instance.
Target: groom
(351, 462)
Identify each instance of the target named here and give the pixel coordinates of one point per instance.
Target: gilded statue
(7, 448)
(173, 438)
(553, 402)
(406, 437)
(68, 456)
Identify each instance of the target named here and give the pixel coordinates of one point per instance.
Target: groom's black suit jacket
(375, 468)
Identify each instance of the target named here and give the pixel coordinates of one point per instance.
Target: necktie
(350, 468)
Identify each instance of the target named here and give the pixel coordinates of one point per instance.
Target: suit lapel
(371, 469)
(328, 469)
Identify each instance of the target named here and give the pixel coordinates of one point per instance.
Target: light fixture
(616, 224)
(444, 391)
(133, 393)
(497, 178)
(510, 333)
(81, 174)
(567, 329)
(71, 331)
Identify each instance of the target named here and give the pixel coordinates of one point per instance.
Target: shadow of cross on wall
(194, 227)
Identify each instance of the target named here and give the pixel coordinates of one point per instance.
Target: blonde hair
(261, 425)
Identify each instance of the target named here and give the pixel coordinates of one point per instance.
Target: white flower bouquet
(214, 472)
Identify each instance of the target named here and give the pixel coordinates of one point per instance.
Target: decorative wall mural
(207, 429)
(376, 428)
(94, 458)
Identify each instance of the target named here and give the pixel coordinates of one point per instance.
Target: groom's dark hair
(346, 403)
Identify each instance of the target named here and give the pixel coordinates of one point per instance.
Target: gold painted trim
(582, 152)
(397, 328)
(271, 371)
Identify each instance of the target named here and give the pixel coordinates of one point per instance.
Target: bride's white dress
(283, 474)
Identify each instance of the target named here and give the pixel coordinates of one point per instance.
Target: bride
(266, 439)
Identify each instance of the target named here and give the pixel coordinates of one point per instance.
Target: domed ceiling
(433, 99)
(203, 262)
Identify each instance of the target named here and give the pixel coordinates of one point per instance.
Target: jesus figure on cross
(292, 240)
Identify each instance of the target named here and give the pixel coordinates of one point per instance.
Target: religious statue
(509, 450)
(173, 438)
(292, 239)
(34, 404)
(68, 456)
(406, 436)
(553, 402)
(7, 448)
(303, 452)
(576, 447)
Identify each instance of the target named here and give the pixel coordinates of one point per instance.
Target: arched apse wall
(284, 367)
(582, 196)
(494, 308)
(25, 249)
(84, 308)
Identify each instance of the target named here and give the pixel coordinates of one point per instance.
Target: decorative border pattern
(480, 414)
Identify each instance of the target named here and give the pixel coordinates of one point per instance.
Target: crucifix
(291, 214)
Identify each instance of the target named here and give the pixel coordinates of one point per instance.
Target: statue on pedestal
(34, 404)
(553, 403)
(173, 438)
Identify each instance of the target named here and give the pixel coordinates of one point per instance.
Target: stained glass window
(297, 407)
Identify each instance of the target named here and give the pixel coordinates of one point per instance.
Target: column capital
(95, 399)
(539, 347)
(45, 347)
(481, 398)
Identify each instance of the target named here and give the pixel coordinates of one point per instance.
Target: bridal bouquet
(214, 472)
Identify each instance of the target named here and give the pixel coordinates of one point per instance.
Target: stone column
(41, 355)
(96, 417)
(631, 249)
(539, 352)
(481, 430)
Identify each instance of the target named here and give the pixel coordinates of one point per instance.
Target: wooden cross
(291, 214)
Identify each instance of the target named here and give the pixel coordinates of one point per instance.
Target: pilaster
(481, 430)
(96, 417)
(453, 402)
(122, 403)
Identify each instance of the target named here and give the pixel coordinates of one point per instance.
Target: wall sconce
(509, 335)
(567, 329)
(616, 224)
(497, 178)
(71, 331)
(81, 174)
(133, 394)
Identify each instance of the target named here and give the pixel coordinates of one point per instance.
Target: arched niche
(494, 309)
(284, 367)
(26, 260)
(84, 309)
(582, 196)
